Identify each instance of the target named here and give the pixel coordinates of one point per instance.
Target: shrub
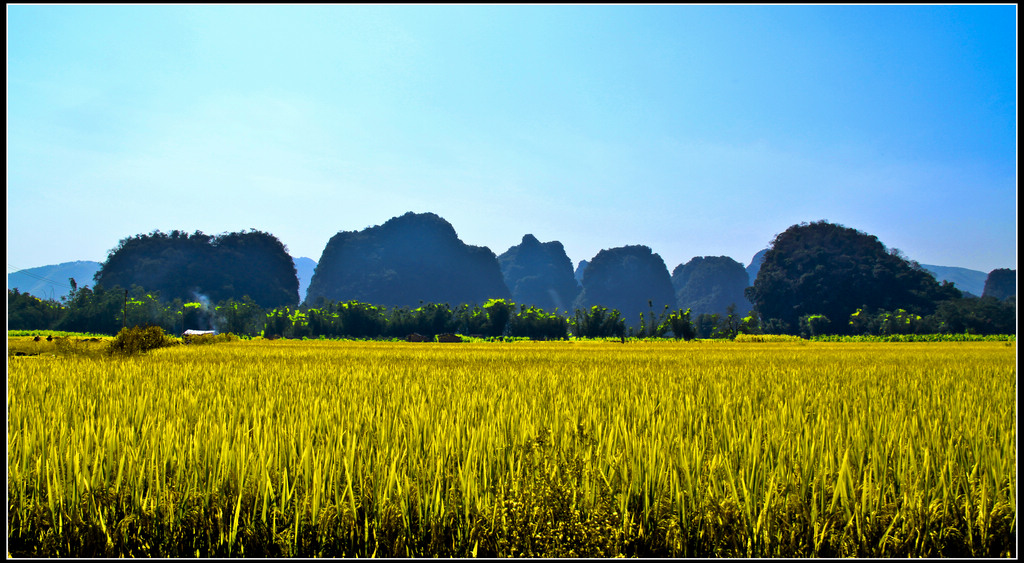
(208, 338)
(814, 325)
(135, 340)
(768, 338)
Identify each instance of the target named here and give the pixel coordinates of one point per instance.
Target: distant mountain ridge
(200, 267)
(965, 279)
(630, 279)
(969, 281)
(412, 259)
(539, 274)
(51, 282)
(710, 284)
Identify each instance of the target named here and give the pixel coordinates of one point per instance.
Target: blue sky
(697, 131)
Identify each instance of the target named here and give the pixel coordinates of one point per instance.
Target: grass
(53, 333)
(69, 345)
(321, 448)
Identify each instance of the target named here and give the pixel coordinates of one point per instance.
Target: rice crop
(580, 448)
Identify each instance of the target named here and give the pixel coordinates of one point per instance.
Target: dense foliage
(539, 274)
(830, 270)
(709, 284)
(1001, 284)
(628, 279)
(191, 267)
(352, 319)
(412, 259)
(135, 340)
(28, 312)
(102, 311)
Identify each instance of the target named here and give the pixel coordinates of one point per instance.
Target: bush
(208, 338)
(768, 338)
(814, 325)
(135, 340)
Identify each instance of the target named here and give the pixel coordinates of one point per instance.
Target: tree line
(105, 311)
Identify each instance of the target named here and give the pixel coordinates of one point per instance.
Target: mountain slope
(630, 279)
(539, 274)
(971, 281)
(710, 284)
(51, 282)
(47, 282)
(967, 280)
(192, 266)
(415, 258)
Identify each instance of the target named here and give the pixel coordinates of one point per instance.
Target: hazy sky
(697, 131)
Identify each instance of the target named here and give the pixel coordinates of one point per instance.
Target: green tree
(653, 326)
(96, 310)
(244, 316)
(975, 315)
(184, 266)
(499, 312)
(471, 319)
(536, 324)
(278, 323)
(681, 326)
(729, 324)
(27, 312)
(750, 324)
(707, 325)
(432, 319)
(1001, 284)
(826, 269)
(814, 325)
(598, 322)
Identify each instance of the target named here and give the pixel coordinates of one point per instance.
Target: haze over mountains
(534, 272)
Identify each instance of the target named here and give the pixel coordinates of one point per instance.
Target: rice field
(580, 448)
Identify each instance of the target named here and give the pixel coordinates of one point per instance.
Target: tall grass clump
(135, 340)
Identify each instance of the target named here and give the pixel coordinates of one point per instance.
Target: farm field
(579, 448)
